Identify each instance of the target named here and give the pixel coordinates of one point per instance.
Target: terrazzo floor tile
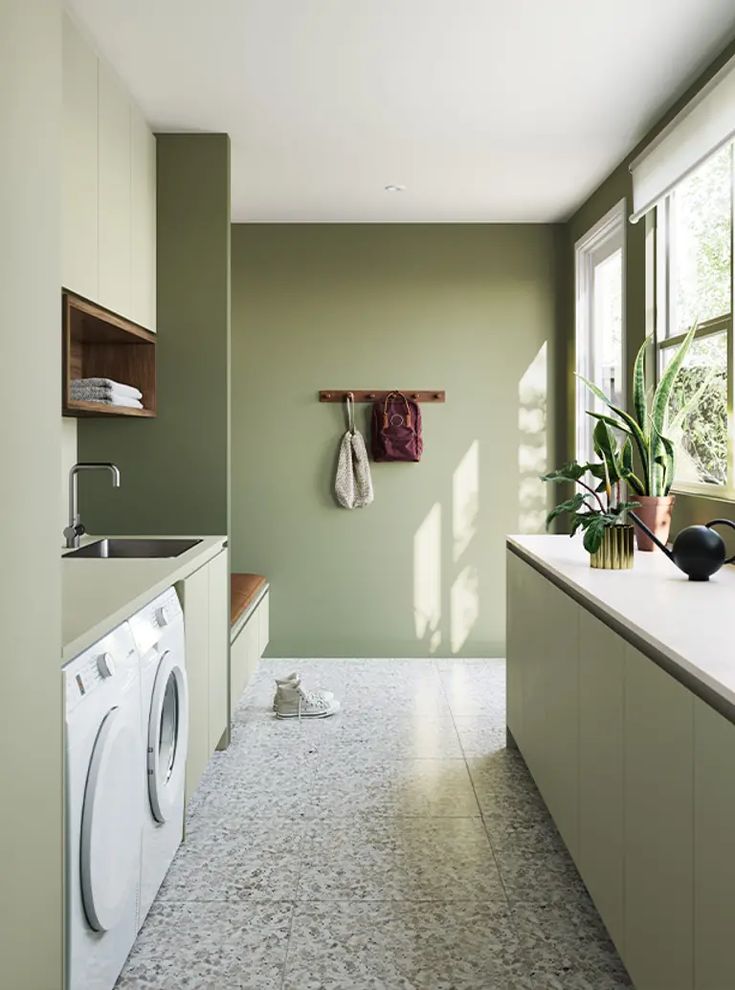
(383, 944)
(396, 846)
(236, 860)
(393, 859)
(210, 947)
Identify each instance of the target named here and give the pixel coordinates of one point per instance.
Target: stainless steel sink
(103, 549)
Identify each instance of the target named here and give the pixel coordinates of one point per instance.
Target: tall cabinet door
(79, 165)
(714, 849)
(551, 698)
(219, 648)
(518, 644)
(601, 791)
(659, 839)
(114, 193)
(196, 627)
(143, 220)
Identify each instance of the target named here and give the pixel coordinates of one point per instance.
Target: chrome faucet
(75, 530)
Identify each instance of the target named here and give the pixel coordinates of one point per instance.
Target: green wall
(467, 308)
(618, 185)
(175, 468)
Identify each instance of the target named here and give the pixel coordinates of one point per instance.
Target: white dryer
(158, 630)
(103, 809)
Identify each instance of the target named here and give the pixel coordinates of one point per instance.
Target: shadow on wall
(464, 594)
(532, 445)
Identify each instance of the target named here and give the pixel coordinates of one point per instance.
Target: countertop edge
(189, 562)
(690, 675)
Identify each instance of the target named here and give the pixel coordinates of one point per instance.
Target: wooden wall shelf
(97, 343)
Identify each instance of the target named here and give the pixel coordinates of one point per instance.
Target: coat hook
(371, 395)
(437, 395)
(416, 396)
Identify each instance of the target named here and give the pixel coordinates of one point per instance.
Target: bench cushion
(244, 589)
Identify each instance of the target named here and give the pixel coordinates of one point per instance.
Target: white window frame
(607, 233)
(659, 271)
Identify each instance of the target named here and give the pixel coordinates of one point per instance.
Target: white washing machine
(103, 809)
(158, 630)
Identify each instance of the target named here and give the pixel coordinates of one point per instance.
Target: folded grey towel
(92, 393)
(110, 386)
(121, 400)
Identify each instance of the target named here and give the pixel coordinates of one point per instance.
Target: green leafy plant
(599, 506)
(648, 428)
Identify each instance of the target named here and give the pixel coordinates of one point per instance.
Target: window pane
(700, 438)
(608, 326)
(700, 244)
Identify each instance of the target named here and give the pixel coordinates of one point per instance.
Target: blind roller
(704, 125)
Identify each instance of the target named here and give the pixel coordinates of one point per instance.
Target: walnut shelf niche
(97, 343)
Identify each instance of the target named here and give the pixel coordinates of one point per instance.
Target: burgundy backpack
(396, 429)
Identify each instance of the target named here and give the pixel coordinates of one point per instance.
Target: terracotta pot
(655, 512)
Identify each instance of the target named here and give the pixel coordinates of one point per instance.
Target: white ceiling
(485, 110)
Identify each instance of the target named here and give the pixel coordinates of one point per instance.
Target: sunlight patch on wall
(464, 606)
(427, 589)
(465, 499)
(532, 445)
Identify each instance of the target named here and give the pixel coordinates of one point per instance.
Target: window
(600, 340)
(694, 284)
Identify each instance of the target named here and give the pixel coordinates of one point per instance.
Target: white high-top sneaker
(289, 682)
(292, 701)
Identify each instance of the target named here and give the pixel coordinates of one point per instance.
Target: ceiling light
(394, 188)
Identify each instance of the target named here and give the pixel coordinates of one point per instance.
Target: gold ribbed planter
(616, 549)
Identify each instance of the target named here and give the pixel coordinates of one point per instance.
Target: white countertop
(691, 625)
(98, 595)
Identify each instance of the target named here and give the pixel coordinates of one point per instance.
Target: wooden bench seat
(244, 590)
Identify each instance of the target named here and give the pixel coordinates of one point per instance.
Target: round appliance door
(168, 727)
(110, 839)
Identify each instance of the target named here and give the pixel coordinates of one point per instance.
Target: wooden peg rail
(372, 395)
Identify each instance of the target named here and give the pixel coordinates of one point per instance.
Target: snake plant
(587, 508)
(648, 428)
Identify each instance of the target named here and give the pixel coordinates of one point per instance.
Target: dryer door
(168, 730)
(111, 824)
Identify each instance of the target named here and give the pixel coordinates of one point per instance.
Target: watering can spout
(647, 531)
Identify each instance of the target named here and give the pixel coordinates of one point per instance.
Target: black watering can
(698, 550)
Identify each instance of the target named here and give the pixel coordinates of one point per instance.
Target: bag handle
(350, 407)
(409, 418)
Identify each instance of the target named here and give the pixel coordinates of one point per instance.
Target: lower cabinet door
(219, 648)
(551, 699)
(196, 628)
(244, 656)
(659, 839)
(601, 792)
(714, 849)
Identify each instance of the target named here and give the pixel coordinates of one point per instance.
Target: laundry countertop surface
(97, 595)
(687, 627)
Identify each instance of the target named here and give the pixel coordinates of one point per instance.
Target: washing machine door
(110, 838)
(168, 729)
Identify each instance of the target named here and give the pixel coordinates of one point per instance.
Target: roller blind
(704, 125)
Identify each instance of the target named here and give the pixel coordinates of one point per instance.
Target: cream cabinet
(196, 628)
(114, 224)
(219, 649)
(108, 187)
(79, 165)
(248, 646)
(543, 689)
(714, 849)
(143, 221)
(601, 710)
(659, 839)
(205, 597)
(637, 772)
